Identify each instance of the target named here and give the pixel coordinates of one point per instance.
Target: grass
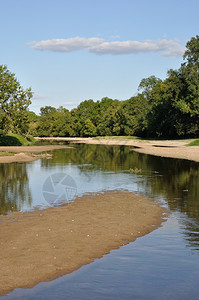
(31, 139)
(194, 143)
(6, 153)
(13, 139)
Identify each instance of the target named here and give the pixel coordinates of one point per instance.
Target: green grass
(6, 153)
(12, 139)
(194, 143)
(31, 139)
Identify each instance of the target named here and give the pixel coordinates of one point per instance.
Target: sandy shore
(44, 244)
(172, 149)
(26, 154)
(166, 148)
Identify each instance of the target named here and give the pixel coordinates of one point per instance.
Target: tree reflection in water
(14, 187)
(174, 180)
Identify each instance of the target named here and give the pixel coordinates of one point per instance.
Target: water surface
(161, 265)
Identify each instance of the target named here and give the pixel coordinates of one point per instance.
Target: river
(162, 265)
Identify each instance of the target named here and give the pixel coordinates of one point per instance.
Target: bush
(13, 140)
(31, 139)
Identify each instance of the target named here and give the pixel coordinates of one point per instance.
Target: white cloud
(66, 45)
(101, 47)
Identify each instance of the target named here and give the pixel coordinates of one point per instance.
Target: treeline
(162, 108)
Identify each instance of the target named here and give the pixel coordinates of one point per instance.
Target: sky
(69, 51)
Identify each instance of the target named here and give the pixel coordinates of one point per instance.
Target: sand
(44, 244)
(27, 153)
(166, 148)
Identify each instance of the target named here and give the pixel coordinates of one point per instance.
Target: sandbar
(45, 244)
(27, 153)
(164, 148)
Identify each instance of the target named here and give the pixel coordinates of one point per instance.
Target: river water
(162, 265)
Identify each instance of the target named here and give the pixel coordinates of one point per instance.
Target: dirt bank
(44, 244)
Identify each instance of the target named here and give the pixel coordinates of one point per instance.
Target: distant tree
(86, 110)
(108, 118)
(63, 125)
(33, 120)
(175, 108)
(147, 85)
(46, 121)
(192, 52)
(14, 102)
(89, 128)
(55, 122)
(47, 110)
(133, 115)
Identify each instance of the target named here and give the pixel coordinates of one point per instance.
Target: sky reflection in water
(161, 265)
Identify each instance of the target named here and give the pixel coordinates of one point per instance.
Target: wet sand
(166, 148)
(27, 153)
(44, 244)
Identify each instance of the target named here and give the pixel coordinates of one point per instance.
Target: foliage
(147, 85)
(13, 140)
(166, 108)
(192, 52)
(31, 139)
(14, 102)
(133, 115)
(14, 186)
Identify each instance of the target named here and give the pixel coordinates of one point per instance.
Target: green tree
(14, 102)
(133, 115)
(108, 117)
(33, 120)
(192, 52)
(55, 122)
(89, 128)
(63, 125)
(86, 110)
(175, 105)
(147, 85)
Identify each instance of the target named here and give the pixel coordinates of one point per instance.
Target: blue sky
(68, 51)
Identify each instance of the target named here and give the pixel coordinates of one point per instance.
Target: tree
(90, 129)
(14, 102)
(46, 120)
(147, 85)
(86, 110)
(133, 115)
(192, 52)
(108, 117)
(33, 120)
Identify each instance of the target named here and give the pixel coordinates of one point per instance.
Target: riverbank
(164, 148)
(45, 244)
(27, 153)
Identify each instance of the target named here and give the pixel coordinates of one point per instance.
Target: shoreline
(163, 148)
(45, 244)
(27, 153)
